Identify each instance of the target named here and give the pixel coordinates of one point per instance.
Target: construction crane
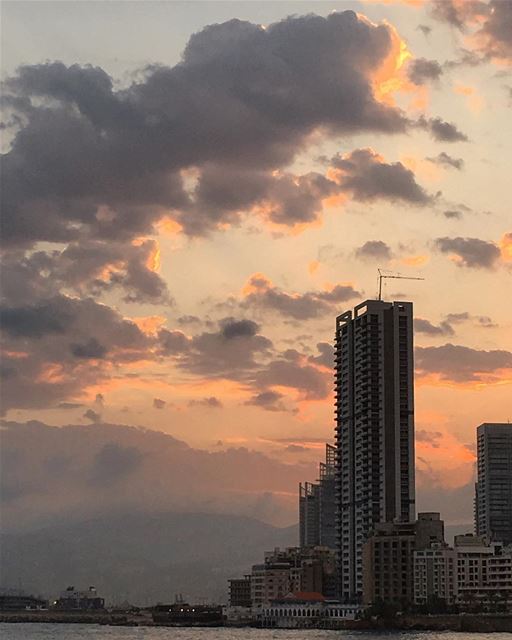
(395, 276)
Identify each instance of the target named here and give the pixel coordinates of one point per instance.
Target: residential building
(484, 572)
(374, 429)
(435, 575)
(309, 569)
(388, 557)
(317, 506)
(240, 592)
(493, 499)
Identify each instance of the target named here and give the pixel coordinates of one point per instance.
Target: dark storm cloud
(442, 131)
(312, 304)
(425, 326)
(444, 159)
(457, 363)
(421, 71)
(267, 400)
(470, 252)
(34, 321)
(242, 96)
(365, 175)
(374, 250)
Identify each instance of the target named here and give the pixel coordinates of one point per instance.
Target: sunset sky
(192, 191)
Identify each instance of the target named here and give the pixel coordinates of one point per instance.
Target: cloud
(374, 250)
(69, 405)
(91, 415)
(325, 357)
(117, 468)
(159, 404)
(426, 327)
(453, 214)
(490, 24)
(441, 130)
(112, 462)
(268, 400)
(421, 71)
(291, 78)
(366, 175)
(460, 364)
(260, 292)
(210, 403)
(430, 437)
(57, 348)
(233, 351)
(310, 382)
(470, 252)
(446, 160)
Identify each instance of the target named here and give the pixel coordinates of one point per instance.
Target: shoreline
(469, 623)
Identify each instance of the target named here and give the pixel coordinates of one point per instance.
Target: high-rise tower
(493, 500)
(374, 428)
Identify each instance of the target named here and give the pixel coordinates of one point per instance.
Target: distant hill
(143, 558)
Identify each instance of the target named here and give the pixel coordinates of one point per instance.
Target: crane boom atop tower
(395, 276)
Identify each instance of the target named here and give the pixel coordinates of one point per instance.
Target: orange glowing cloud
(391, 77)
(149, 325)
(506, 247)
(415, 261)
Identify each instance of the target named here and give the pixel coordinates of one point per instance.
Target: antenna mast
(396, 276)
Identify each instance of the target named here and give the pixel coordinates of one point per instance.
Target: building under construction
(317, 504)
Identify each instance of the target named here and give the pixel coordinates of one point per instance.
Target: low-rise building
(435, 575)
(74, 600)
(484, 573)
(304, 610)
(388, 557)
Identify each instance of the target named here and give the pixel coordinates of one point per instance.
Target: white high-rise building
(374, 428)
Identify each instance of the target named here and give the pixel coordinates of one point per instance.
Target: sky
(192, 191)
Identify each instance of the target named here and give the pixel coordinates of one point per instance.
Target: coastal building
(493, 499)
(240, 592)
(14, 600)
(388, 557)
(374, 429)
(74, 600)
(435, 575)
(484, 573)
(305, 610)
(294, 569)
(317, 506)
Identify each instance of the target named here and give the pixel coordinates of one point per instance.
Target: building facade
(240, 592)
(374, 429)
(435, 575)
(493, 499)
(484, 573)
(317, 506)
(388, 557)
